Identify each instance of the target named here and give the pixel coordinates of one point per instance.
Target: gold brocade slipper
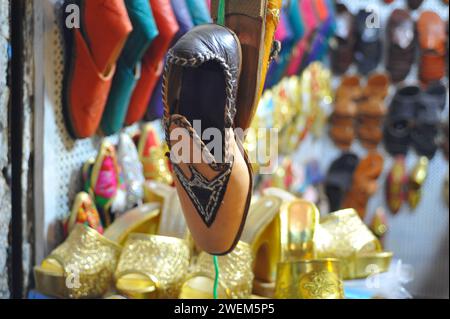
(235, 276)
(79, 260)
(152, 267)
(81, 267)
(344, 236)
(279, 228)
(310, 279)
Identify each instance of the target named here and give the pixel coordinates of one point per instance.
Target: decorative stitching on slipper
(211, 193)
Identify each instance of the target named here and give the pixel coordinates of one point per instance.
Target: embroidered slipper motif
(206, 195)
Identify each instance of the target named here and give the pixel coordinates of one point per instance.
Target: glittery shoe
(235, 276)
(81, 267)
(152, 267)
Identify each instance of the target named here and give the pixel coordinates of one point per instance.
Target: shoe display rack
(416, 236)
(59, 157)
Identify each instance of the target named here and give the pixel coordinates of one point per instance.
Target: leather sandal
(254, 22)
(200, 84)
(342, 130)
(342, 44)
(153, 60)
(402, 42)
(364, 183)
(91, 53)
(432, 39)
(399, 120)
(339, 179)
(427, 118)
(372, 110)
(368, 46)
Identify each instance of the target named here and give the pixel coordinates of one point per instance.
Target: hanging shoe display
(215, 191)
(244, 150)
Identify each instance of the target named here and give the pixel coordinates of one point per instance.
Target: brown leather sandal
(364, 183)
(372, 111)
(433, 40)
(342, 130)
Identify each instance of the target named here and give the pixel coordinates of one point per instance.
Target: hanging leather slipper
(399, 120)
(129, 65)
(254, 22)
(427, 118)
(153, 60)
(339, 179)
(432, 39)
(91, 53)
(200, 84)
(364, 183)
(402, 42)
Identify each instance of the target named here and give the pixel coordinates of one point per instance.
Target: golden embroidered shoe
(81, 267)
(310, 279)
(416, 181)
(344, 236)
(235, 276)
(152, 267)
(279, 228)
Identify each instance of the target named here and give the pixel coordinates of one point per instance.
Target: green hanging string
(221, 13)
(216, 279)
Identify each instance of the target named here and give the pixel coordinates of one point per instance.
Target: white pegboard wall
(63, 157)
